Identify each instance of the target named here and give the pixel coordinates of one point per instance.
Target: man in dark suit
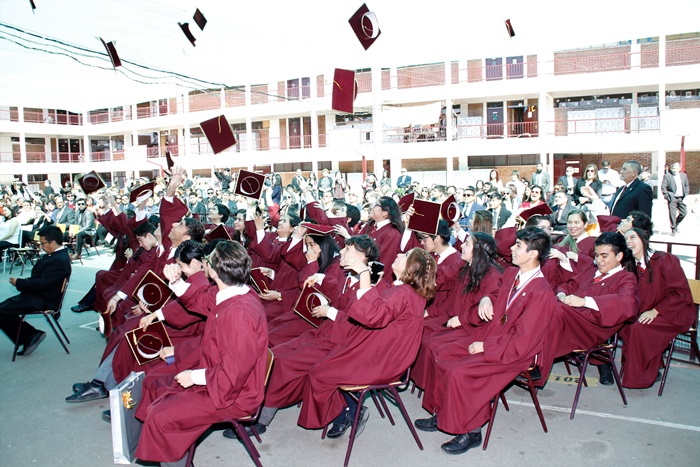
(500, 213)
(569, 181)
(541, 179)
(675, 187)
(41, 291)
(197, 208)
(224, 177)
(635, 195)
(299, 182)
(85, 220)
(63, 214)
(560, 211)
(469, 206)
(404, 180)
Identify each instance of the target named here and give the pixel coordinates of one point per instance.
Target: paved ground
(37, 428)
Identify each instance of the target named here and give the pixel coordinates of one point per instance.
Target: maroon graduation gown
(442, 305)
(377, 350)
(234, 354)
(644, 344)
(466, 306)
(388, 240)
(465, 384)
(583, 328)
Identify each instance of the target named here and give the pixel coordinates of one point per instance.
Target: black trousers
(10, 310)
(676, 211)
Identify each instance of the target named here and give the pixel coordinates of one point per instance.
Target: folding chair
(604, 353)
(238, 425)
(376, 392)
(689, 338)
(53, 313)
(22, 253)
(523, 380)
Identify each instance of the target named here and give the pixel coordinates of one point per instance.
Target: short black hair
(144, 229)
(537, 240)
(364, 244)
(51, 233)
(195, 229)
(224, 212)
(231, 263)
(641, 221)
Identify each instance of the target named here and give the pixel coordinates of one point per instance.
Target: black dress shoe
(77, 387)
(107, 416)
(92, 391)
(81, 307)
(339, 429)
(230, 433)
(606, 375)
(462, 443)
(427, 424)
(33, 343)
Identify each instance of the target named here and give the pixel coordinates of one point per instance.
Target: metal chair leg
(667, 366)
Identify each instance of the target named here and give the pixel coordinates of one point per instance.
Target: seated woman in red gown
(666, 306)
(228, 381)
(480, 277)
(381, 341)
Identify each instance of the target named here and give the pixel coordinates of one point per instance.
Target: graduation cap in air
(219, 133)
(344, 91)
(169, 161)
(31, 2)
(509, 27)
(186, 31)
(199, 19)
(365, 25)
(112, 52)
(249, 184)
(449, 210)
(141, 193)
(91, 182)
(318, 229)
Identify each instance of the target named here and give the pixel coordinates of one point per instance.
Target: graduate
(666, 306)
(596, 303)
(229, 379)
(466, 382)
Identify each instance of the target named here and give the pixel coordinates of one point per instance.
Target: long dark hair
(389, 205)
(647, 250)
(329, 250)
(483, 258)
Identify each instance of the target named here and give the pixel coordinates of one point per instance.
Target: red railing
(9, 157)
(621, 125)
(417, 77)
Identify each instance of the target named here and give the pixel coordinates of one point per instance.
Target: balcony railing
(598, 126)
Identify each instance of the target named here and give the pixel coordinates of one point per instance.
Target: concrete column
(250, 146)
(314, 128)
(222, 97)
(450, 175)
(394, 80)
(87, 149)
(377, 120)
(186, 138)
(636, 54)
(661, 162)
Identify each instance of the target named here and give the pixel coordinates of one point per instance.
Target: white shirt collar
(610, 273)
(380, 224)
(233, 291)
(448, 251)
(582, 236)
(526, 276)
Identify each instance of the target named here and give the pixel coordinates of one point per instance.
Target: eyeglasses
(210, 192)
(423, 238)
(590, 171)
(81, 204)
(44, 243)
(468, 195)
(208, 259)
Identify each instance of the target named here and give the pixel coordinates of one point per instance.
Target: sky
(270, 41)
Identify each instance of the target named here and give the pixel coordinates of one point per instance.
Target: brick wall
(258, 94)
(283, 133)
(684, 105)
(355, 166)
(682, 52)
(591, 60)
(418, 76)
(475, 110)
(364, 81)
(650, 55)
(320, 88)
(204, 101)
(531, 66)
(322, 131)
(281, 90)
(692, 168)
(234, 97)
(474, 70)
(455, 72)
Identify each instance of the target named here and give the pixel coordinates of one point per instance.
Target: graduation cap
(542, 209)
(169, 160)
(365, 26)
(449, 210)
(152, 291)
(344, 91)
(309, 299)
(186, 31)
(318, 229)
(219, 133)
(112, 52)
(249, 184)
(141, 193)
(406, 201)
(509, 27)
(259, 281)
(426, 217)
(91, 182)
(199, 19)
(608, 223)
(505, 239)
(218, 232)
(146, 343)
